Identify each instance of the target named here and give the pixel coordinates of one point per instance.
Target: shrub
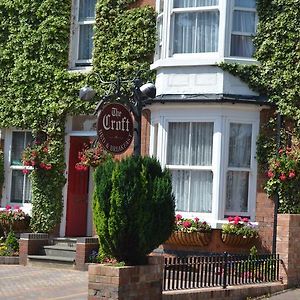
(133, 208)
(240, 226)
(11, 242)
(191, 225)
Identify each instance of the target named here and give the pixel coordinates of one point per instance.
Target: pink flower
(246, 220)
(16, 207)
(25, 171)
(196, 220)
(8, 207)
(280, 151)
(282, 177)
(236, 220)
(42, 165)
(292, 174)
(230, 219)
(288, 149)
(277, 164)
(178, 217)
(45, 150)
(186, 224)
(270, 174)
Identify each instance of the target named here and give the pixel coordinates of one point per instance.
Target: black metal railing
(219, 270)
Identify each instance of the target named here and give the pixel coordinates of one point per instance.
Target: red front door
(77, 197)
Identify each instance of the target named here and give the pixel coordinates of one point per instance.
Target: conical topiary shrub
(133, 208)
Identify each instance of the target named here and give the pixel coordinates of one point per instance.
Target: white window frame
(9, 168)
(75, 31)
(221, 117)
(248, 34)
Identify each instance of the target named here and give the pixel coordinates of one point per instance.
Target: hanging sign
(115, 128)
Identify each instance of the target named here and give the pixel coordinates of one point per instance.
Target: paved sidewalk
(291, 294)
(19, 282)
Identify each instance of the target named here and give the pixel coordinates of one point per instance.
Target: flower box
(236, 240)
(189, 238)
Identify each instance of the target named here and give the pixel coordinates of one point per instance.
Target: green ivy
(277, 75)
(38, 92)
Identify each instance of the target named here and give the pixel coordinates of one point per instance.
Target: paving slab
(19, 282)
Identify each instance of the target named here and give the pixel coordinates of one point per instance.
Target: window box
(237, 240)
(199, 239)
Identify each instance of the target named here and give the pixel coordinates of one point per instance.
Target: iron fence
(219, 270)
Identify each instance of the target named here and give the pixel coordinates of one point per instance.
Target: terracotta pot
(236, 240)
(189, 239)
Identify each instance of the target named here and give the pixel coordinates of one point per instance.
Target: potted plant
(238, 231)
(190, 232)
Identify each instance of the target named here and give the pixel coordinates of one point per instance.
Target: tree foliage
(133, 208)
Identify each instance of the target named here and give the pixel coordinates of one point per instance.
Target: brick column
(288, 247)
(84, 247)
(31, 243)
(126, 283)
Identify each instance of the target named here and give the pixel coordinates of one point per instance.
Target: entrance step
(59, 254)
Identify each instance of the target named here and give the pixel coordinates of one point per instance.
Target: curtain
(243, 3)
(194, 3)
(87, 10)
(190, 144)
(196, 32)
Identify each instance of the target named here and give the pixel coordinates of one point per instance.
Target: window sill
(83, 69)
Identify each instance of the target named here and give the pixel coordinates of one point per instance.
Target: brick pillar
(30, 244)
(288, 247)
(126, 283)
(84, 247)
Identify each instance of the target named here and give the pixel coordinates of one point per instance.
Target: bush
(133, 208)
(11, 242)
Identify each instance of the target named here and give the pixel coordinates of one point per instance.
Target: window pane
(243, 3)
(87, 10)
(161, 6)
(201, 191)
(20, 140)
(17, 187)
(237, 191)
(85, 41)
(240, 145)
(202, 144)
(243, 21)
(241, 46)
(180, 185)
(178, 144)
(194, 3)
(196, 32)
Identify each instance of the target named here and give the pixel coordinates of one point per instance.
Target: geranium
(191, 225)
(284, 178)
(240, 226)
(90, 156)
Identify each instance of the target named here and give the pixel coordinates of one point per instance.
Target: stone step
(70, 242)
(51, 261)
(59, 250)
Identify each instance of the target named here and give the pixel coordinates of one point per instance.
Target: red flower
(288, 149)
(280, 151)
(277, 164)
(196, 220)
(230, 219)
(178, 217)
(45, 150)
(16, 207)
(26, 163)
(8, 207)
(48, 167)
(292, 174)
(270, 174)
(25, 171)
(236, 220)
(246, 220)
(187, 224)
(282, 177)
(42, 165)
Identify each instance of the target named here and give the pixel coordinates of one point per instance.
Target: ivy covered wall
(36, 89)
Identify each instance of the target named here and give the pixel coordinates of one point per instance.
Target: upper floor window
(243, 28)
(195, 26)
(82, 39)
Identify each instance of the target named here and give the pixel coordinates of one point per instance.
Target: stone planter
(127, 282)
(189, 239)
(236, 240)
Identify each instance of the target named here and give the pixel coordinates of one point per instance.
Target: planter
(236, 240)
(189, 239)
(17, 226)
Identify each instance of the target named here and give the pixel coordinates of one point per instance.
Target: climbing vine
(38, 92)
(277, 77)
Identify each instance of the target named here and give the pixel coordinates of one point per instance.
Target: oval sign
(115, 128)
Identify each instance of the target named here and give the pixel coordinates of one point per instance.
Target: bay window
(243, 28)
(195, 26)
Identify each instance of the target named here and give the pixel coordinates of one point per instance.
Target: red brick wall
(140, 3)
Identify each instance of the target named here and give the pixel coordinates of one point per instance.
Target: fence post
(225, 263)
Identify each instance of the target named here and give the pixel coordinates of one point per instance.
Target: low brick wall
(126, 283)
(230, 293)
(9, 260)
